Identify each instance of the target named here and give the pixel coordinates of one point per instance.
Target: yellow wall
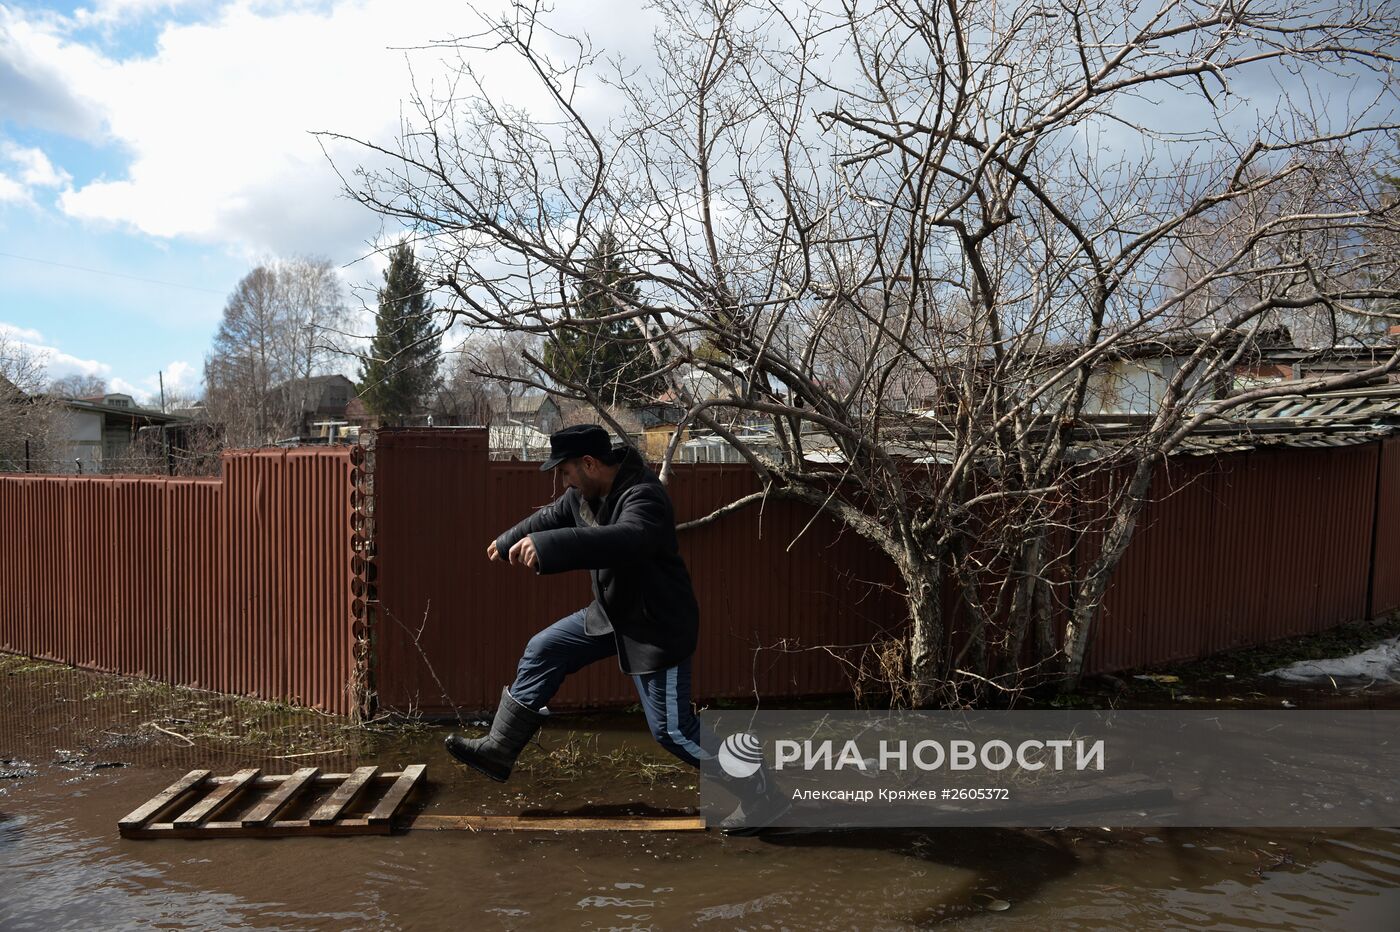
(657, 439)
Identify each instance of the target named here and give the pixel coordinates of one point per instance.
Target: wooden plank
(266, 810)
(418, 823)
(481, 823)
(386, 807)
(223, 796)
(325, 779)
(1330, 406)
(330, 810)
(189, 783)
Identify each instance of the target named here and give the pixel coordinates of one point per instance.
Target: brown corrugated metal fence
(450, 625)
(1233, 551)
(240, 584)
(1385, 560)
(273, 580)
(1241, 550)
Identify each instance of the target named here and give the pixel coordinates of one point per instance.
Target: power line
(134, 278)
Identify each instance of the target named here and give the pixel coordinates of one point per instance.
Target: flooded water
(78, 754)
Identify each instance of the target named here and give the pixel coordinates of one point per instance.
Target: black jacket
(627, 540)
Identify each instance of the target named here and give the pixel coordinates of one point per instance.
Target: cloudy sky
(152, 151)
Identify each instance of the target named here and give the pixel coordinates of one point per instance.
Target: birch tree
(281, 326)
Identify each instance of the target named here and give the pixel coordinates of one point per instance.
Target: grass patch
(18, 664)
(144, 710)
(579, 756)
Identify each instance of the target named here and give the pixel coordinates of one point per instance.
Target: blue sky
(153, 151)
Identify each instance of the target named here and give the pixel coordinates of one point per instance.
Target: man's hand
(492, 553)
(524, 552)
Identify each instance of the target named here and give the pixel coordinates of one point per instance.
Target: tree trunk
(1092, 587)
(924, 580)
(1044, 620)
(1023, 603)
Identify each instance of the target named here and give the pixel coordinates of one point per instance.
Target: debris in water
(990, 903)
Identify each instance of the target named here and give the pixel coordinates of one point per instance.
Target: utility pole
(161, 375)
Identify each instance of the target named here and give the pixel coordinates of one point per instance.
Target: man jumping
(615, 520)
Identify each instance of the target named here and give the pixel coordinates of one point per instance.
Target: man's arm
(641, 528)
(557, 514)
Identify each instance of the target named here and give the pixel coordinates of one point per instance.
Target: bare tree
(31, 422)
(487, 371)
(281, 327)
(78, 386)
(832, 211)
(313, 316)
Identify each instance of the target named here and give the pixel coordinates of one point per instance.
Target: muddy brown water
(76, 755)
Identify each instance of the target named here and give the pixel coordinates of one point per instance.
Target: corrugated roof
(1377, 403)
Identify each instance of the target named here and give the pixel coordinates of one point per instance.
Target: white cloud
(57, 362)
(61, 364)
(43, 77)
(12, 192)
(217, 121)
(23, 334)
(179, 376)
(35, 169)
(109, 12)
(30, 169)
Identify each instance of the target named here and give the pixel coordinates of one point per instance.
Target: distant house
(536, 410)
(658, 423)
(1133, 384)
(1129, 378)
(697, 383)
(316, 402)
(96, 433)
(1292, 363)
(514, 441)
(14, 445)
(358, 417)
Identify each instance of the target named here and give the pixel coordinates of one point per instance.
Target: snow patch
(1378, 664)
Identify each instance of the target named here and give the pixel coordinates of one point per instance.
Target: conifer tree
(400, 371)
(610, 357)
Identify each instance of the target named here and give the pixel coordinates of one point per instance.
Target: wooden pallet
(192, 806)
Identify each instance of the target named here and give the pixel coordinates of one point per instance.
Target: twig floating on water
(173, 734)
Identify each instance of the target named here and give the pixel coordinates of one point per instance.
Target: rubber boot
(494, 755)
(761, 803)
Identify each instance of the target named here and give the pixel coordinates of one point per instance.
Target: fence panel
(450, 625)
(1385, 560)
(239, 584)
(245, 584)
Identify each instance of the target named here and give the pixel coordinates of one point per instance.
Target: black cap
(579, 440)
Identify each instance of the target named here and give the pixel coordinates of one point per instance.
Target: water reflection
(62, 864)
